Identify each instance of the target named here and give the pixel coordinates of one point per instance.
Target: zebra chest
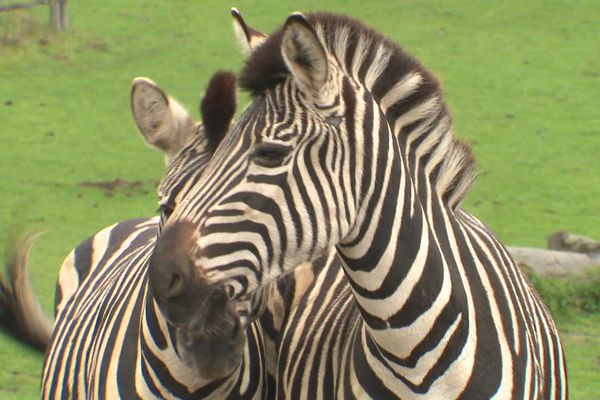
(317, 338)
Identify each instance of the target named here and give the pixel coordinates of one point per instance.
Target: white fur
(162, 121)
(299, 40)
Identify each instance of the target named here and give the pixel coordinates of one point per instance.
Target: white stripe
(416, 113)
(401, 90)
(378, 65)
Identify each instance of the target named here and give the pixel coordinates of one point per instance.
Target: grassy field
(522, 80)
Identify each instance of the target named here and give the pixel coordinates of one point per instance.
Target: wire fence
(56, 8)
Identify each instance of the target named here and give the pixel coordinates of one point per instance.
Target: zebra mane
(409, 95)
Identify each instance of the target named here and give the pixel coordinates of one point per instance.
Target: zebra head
(207, 331)
(188, 146)
(297, 170)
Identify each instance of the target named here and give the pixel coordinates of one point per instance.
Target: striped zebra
(164, 125)
(348, 144)
(110, 339)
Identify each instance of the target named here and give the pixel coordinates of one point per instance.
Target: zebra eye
(270, 154)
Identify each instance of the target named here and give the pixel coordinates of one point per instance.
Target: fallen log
(554, 262)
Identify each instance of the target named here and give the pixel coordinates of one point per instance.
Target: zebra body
(348, 143)
(110, 338)
(111, 341)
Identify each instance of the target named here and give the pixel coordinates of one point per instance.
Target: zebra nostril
(229, 292)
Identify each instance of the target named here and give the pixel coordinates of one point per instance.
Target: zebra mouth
(215, 350)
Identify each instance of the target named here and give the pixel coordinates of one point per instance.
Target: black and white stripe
(110, 338)
(348, 144)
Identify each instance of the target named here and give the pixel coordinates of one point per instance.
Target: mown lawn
(581, 339)
(522, 80)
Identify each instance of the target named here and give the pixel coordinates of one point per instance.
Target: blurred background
(522, 80)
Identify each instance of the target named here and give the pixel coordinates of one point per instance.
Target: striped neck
(409, 96)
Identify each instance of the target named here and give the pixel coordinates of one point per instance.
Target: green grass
(569, 296)
(575, 303)
(522, 80)
(580, 335)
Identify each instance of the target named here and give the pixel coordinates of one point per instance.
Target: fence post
(53, 6)
(63, 20)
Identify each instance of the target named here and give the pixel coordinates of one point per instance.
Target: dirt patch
(110, 187)
(98, 45)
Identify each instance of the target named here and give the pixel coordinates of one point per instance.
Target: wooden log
(553, 262)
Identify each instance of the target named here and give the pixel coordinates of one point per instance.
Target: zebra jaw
(209, 335)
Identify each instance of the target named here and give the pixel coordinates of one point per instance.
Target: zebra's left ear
(247, 37)
(304, 54)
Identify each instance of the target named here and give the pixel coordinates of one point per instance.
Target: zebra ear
(247, 37)
(218, 106)
(163, 123)
(304, 54)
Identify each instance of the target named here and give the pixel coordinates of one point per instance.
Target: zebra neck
(400, 277)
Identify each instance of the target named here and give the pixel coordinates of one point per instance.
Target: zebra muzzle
(210, 337)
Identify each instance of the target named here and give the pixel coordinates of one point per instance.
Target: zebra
(347, 144)
(79, 362)
(165, 125)
(109, 338)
